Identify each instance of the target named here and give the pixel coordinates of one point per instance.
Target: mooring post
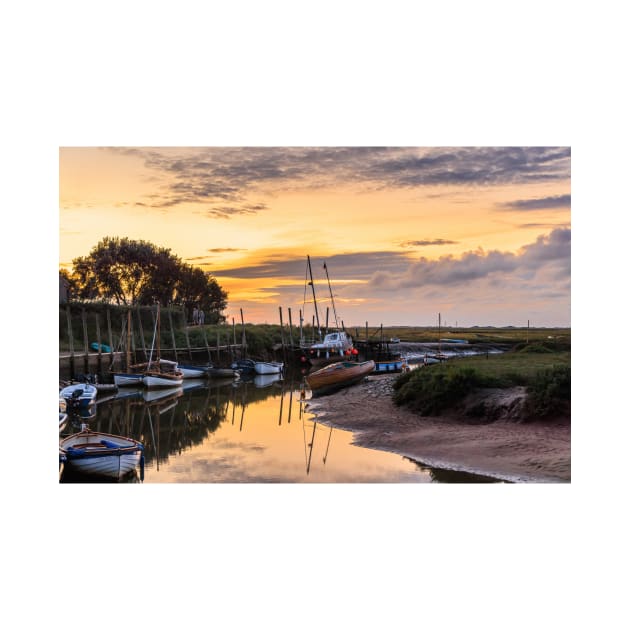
(243, 338)
(205, 340)
(86, 346)
(170, 323)
(284, 352)
(185, 315)
(111, 339)
(70, 339)
(290, 328)
(97, 318)
(144, 348)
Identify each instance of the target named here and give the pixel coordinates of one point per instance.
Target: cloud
(551, 253)
(232, 175)
(427, 242)
(218, 250)
(544, 203)
(224, 212)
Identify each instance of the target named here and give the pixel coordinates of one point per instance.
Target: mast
(331, 297)
(310, 272)
(128, 349)
(157, 335)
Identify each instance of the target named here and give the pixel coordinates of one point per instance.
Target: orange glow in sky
(481, 235)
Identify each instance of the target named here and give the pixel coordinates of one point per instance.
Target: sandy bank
(503, 449)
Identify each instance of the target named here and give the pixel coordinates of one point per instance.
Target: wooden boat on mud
(338, 375)
(101, 454)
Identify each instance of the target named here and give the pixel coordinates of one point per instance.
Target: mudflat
(504, 448)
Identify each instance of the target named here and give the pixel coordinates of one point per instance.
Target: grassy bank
(544, 372)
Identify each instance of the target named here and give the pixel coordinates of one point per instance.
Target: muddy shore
(504, 448)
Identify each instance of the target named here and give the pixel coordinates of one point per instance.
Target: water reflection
(250, 430)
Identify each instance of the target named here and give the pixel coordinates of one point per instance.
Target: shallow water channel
(255, 431)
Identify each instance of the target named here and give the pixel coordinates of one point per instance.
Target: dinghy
(101, 454)
(338, 375)
(79, 395)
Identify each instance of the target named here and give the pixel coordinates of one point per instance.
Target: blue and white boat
(79, 395)
(391, 365)
(101, 454)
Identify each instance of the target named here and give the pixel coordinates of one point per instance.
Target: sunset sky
(480, 235)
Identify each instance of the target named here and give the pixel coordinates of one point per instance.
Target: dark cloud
(354, 266)
(544, 203)
(232, 175)
(424, 243)
(224, 212)
(551, 253)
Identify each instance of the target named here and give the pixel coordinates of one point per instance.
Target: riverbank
(505, 448)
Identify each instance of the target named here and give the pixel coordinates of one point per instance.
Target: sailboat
(130, 378)
(159, 372)
(335, 346)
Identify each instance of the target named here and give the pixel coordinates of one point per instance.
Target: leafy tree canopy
(126, 272)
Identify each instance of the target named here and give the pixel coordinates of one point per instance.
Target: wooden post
(70, 340)
(301, 328)
(218, 344)
(284, 352)
(290, 328)
(86, 346)
(243, 339)
(144, 349)
(205, 339)
(98, 339)
(186, 334)
(233, 353)
(366, 332)
(170, 323)
(109, 336)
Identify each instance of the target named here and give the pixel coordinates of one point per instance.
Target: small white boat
(79, 395)
(101, 454)
(192, 371)
(127, 379)
(162, 379)
(268, 367)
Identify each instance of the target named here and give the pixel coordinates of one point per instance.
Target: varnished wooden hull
(338, 375)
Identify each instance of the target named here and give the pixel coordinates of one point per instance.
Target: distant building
(64, 290)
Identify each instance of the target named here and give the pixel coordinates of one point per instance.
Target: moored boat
(245, 366)
(79, 395)
(192, 371)
(390, 365)
(63, 420)
(268, 367)
(101, 454)
(338, 375)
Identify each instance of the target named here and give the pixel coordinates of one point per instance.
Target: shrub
(550, 392)
(432, 390)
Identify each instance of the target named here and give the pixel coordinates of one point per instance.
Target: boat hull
(272, 367)
(101, 454)
(79, 395)
(161, 380)
(127, 380)
(381, 367)
(337, 376)
(191, 371)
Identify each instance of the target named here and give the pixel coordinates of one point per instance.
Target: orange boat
(338, 375)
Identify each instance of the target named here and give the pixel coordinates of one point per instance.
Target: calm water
(249, 431)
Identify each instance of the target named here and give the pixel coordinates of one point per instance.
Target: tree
(128, 272)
